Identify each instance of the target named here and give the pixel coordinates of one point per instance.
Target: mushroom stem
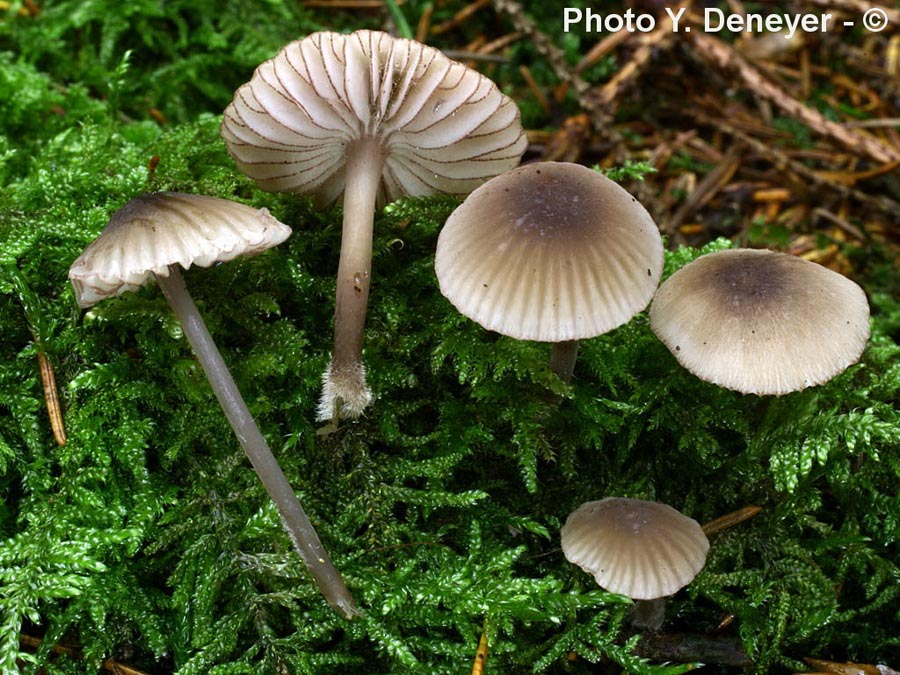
(295, 521)
(647, 615)
(345, 392)
(562, 358)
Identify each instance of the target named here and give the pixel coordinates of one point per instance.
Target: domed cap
(633, 547)
(160, 229)
(761, 322)
(444, 128)
(550, 252)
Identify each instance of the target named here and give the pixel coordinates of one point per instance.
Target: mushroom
(633, 547)
(374, 118)
(761, 322)
(150, 237)
(552, 252)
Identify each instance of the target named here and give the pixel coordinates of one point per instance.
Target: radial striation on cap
(443, 127)
(761, 322)
(551, 252)
(633, 547)
(160, 229)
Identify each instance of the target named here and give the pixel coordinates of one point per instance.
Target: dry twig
(459, 18)
(785, 163)
(51, 397)
(859, 7)
(109, 664)
(706, 189)
(636, 65)
(557, 60)
(724, 57)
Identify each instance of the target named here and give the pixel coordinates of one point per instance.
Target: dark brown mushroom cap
(443, 127)
(550, 252)
(761, 322)
(633, 547)
(160, 229)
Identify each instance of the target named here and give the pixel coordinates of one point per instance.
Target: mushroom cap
(443, 127)
(160, 229)
(633, 547)
(550, 251)
(761, 322)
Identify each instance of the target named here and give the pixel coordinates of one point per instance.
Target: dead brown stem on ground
(535, 89)
(110, 665)
(628, 74)
(606, 46)
(459, 18)
(783, 162)
(849, 228)
(724, 57)
(481, 653)
(500, 43)
(423, 27)
(729, 520)
(706, 189)
(600, 120)
(51, 397)
(859, 7)
(848, 668)
(568, 143)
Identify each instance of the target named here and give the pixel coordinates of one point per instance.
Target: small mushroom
(761, 322)
(151, 236)
(552, 252)
(374, 118)
(633, 547)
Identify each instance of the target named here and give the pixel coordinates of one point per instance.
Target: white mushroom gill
(374, 118)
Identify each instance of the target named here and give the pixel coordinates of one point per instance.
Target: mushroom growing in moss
(370, 117)
(761, 322)
(634, 547)
(151, 236)
(553, 252)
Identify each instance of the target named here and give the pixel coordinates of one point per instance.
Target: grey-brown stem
(562, 358)
(647, 614)
(345, 383)
(295, 521)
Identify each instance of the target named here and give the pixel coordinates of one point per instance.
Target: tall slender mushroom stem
(295, 521)
(562, 359)
(328, 113)
(345, 389)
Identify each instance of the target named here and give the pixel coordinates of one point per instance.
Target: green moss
(149, 534)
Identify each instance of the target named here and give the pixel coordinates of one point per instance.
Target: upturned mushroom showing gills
(761, 322)
(370, 117)
(150, 237)
(552, 252)
(633, 547)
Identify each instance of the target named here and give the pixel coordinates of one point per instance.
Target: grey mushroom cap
(633, 547)
(761, 322)
(442, 127)
(551, 252)
(156, 230)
